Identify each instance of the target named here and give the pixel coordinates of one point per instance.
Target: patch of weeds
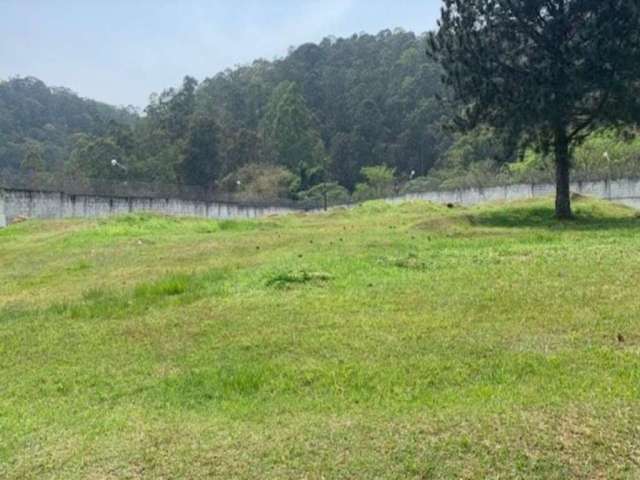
(210, 227)
(96, 295)
(246, 225)
(95, 303)
(100, 303)
(81, 266)
(13, 312)
(207, 227)
(296, 277)
(167, 287)
(134, 227)
(105, 303)
(411, 262)
(149, 224)
(12, 231)
(203, 386)
(183, 288)
(140, 223)
(211, 283)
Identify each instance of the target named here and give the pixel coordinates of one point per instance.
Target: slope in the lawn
(387, 341)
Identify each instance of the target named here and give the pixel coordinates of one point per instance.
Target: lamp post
(116, 164)
(608, 180)
(608, 159)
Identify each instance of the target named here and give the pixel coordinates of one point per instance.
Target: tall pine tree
(547, 72)
(291, 135)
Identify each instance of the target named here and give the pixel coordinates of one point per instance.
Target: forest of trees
(349, 115)
(38, 123)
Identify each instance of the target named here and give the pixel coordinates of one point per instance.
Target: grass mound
(383, 341)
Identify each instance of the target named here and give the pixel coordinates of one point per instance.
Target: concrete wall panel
(33, 204)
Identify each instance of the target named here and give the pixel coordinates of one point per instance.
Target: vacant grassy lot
(409, 341)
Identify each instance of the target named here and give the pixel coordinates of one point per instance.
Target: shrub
(335, 194)
(259, 182)
(379, 183)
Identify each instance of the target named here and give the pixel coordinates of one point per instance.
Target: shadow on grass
(589, 216)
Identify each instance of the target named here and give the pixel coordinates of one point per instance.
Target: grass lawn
(408, 341)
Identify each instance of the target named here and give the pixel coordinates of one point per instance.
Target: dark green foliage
(291, 135)
(327, 110)
(323, 112)
(379, 182)
(326, 194)
(37, 123)
(32, 161)
(93, 155)
(544, 73)
(200, 162)
(289, 127)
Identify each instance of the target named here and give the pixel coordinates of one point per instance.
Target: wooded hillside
(353, 114)
(37, 122)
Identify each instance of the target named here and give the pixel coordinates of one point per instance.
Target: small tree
(546, 72)
(325, 194)
(261, 182)
(378, 183)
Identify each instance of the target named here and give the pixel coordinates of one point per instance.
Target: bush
(259, 182)
(379, 183)
(335, 194)
(421, 184)
(608, 154)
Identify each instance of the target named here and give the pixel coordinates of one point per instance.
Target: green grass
(409, 341)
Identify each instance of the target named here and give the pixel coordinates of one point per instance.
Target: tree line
(346, 116)
(38, 123)
(318, 116)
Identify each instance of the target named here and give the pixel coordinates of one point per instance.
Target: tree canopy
(543, 73)
(37, 123)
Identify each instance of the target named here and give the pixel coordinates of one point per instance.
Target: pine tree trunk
(563, 189)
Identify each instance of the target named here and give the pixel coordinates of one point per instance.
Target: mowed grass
(407, 342)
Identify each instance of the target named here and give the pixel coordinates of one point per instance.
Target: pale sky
(120, 51)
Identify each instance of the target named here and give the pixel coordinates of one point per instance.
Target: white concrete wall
(18, 203)
(624, 191)
(3, 218)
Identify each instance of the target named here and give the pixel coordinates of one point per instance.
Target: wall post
(3, 216)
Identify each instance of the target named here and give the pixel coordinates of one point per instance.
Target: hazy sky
(119, 51)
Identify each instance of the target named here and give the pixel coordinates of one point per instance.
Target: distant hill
(37, 117)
